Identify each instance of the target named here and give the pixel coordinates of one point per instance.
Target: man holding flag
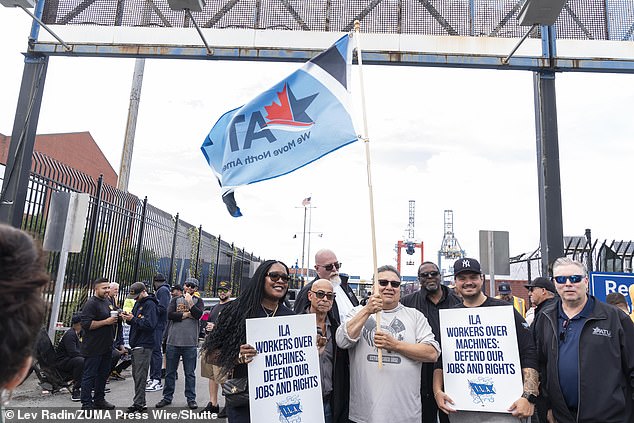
(296, 122)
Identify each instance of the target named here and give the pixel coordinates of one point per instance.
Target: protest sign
(481, 363)
(284, 378)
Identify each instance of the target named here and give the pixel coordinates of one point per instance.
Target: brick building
(75, 149)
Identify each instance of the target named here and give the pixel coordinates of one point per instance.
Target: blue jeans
(172, 356)
(327, 412)
(96, 371)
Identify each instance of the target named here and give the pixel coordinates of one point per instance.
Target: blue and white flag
(298, 121)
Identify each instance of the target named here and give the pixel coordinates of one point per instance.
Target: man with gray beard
(327, 267)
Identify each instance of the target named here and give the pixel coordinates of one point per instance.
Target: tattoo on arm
(531, 381)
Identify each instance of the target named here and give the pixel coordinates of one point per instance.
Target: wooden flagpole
(366, 140)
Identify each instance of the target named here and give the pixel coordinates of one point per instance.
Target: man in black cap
(469, 279)
(68, 355)
(506, 294)
(142, 321)
(163, 296)
(431, 297)
(542, 292)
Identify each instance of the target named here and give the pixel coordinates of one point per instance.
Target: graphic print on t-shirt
(396, 328)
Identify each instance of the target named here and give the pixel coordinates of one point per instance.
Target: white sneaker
(154, 386)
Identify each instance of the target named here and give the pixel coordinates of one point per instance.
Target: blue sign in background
(604, 283)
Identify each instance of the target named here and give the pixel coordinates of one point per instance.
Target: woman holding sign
(226, 345)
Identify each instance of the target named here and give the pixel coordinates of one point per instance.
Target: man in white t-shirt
(406, 338)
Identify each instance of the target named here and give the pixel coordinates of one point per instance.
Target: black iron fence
(127, 240)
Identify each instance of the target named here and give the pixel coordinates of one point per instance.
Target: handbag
(236, 392)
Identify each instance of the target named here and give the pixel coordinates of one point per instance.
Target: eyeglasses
(562, 334)
(276, 276)
(321, 294)
(425, 275)
(330, 266)
(572, 278)
(223, 290)
(385, 282)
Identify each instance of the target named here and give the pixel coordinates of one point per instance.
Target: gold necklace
(271, 314)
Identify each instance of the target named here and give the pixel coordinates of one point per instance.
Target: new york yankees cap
(466, 265)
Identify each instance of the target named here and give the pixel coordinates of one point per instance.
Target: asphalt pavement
(31, 395)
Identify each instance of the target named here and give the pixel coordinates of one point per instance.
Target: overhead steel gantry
(593, 36)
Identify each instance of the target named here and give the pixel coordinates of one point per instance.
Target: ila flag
(298, 121)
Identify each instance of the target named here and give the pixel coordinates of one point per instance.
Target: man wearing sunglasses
(321, 298)
(541, 292)
(431, 297)
(469, 279)
(586, 352)
(327, 267)
(406, 340)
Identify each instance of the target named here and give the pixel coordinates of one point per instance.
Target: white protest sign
(481, 362)
(284, 378)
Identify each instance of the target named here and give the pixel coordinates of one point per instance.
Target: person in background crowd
(504, 289)
(68, 355)
(96, 347)
(586, 352)
(208, 370)
(432, 297)
(142, 321)
(469, 279)
(618, 300)
(163, 296)
(541, 292)
(118, 349)
(263, 297)
(21, 306)
(182, 341)
(406, 338)
(321, 297)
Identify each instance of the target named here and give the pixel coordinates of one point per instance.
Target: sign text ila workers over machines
(481, 363)
(284, 378)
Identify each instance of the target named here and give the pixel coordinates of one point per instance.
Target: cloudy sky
(449, 139)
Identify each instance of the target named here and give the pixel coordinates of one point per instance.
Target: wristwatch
(530, 397)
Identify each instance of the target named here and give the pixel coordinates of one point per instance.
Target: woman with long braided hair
(226, 345)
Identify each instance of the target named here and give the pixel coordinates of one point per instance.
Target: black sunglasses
(223, 290)
(188, 285)
(385, 282)
(330, 266)
(276, 276)
(321, 294)
(425, 275)
(573, 279)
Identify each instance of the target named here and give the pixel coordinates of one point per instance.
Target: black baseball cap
(159, 278)
(136, 289)
(542, 282)
(466, 265)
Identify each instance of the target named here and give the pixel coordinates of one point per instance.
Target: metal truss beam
(467, 61)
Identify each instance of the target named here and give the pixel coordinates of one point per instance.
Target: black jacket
(301, 301)
(419, 301)
(144, 322)
(606, 365)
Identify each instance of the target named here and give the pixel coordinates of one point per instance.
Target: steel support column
(16, 177)
(551, 226)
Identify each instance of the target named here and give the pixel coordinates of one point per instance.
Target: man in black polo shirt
(96, 347)
(431, 297)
